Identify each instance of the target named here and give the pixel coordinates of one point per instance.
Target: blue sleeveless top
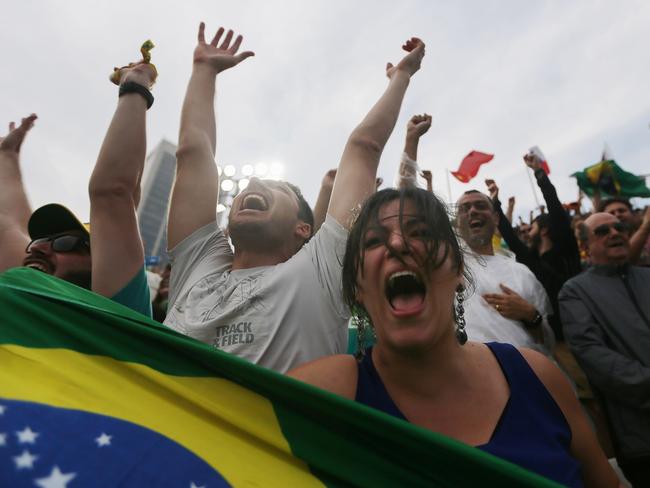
(532, 430)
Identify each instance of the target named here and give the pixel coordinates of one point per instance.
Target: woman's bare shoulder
(337, 374)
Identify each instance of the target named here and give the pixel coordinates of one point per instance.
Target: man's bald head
(606, 239)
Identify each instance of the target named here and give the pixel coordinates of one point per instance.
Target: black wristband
(133, 87)
(536, 322)
(539, 173)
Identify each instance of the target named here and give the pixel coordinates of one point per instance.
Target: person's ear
(303, 230)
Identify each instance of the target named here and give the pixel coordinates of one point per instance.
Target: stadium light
(229, 170)
(243, 183)
(219, 170)
(227, 185)
(247, 170)
(220, 207)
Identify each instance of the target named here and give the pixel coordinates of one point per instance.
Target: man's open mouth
(476, 224)
(405, 291)
(39, 265)
(616, 243)
(254, 201)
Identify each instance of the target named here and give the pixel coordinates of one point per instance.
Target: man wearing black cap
(51, 239)
(60, 245)
(54, 241)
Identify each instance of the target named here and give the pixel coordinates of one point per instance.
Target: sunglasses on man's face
(62, 243)
(605, 229)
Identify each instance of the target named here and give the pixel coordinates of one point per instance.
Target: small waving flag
(609, 179)
(536, 151)
(470, 164)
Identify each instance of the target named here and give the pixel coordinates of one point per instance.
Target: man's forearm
(514, 243)
(320, 209)
(637, 241)
(411, 146)
(198, 128)
(14, 204)
(378, 125)
(121, 157)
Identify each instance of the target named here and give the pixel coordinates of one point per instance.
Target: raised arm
(355, 178)
(114, 189)
(323, 200)
(505, 228)
(196, 188)
(640, 237)
(14, 205)
(559, 221)
(407, 174)
(428, 177)
(511, 209)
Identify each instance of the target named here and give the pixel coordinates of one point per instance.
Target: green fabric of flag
(611, 180)
(66, 348)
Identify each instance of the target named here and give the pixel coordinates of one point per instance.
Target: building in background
(156, 185)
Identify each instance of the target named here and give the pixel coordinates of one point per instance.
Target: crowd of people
(529, 340)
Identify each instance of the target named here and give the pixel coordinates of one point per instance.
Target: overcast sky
(498, 77)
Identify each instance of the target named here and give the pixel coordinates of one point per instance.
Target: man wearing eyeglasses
(60, 245)
(605, 313)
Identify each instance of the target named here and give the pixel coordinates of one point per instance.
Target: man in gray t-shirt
(276, 300)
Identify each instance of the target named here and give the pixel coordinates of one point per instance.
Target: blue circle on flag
(46, 446)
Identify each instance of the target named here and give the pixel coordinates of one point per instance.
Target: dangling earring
(361, 321)
(461, 335)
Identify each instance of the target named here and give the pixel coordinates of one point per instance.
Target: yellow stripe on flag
(231, 428)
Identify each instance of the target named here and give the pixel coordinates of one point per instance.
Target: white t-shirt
(484, 323)
(277, 316)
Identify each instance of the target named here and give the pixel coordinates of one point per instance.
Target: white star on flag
(2, 409)
(192, 485)
(27, 436)
(103, 440)
(25, 460)
(3, 439)
(56, 479)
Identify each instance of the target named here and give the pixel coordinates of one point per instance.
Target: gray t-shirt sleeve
(326, 251)
(206, 251)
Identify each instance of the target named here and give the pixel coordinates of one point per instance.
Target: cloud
(498, 77)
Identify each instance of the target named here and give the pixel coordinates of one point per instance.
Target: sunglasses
(477, 204)
(62, 243)
(605, 229)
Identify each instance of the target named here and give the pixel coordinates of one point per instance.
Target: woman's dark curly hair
(440, 238)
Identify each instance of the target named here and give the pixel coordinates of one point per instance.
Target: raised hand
(418, 125)
(532, 161)
(328, 179)
(219, 57)
(428, 177)
(141, 73)
(411, 62)
(12, 142)
(493, 189)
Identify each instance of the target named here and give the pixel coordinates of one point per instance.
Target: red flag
(469, 166)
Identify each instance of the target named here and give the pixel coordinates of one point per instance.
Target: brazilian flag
(94, 394)
(611, 180)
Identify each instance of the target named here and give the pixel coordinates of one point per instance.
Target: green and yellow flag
(610, 180)
(94, 394)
